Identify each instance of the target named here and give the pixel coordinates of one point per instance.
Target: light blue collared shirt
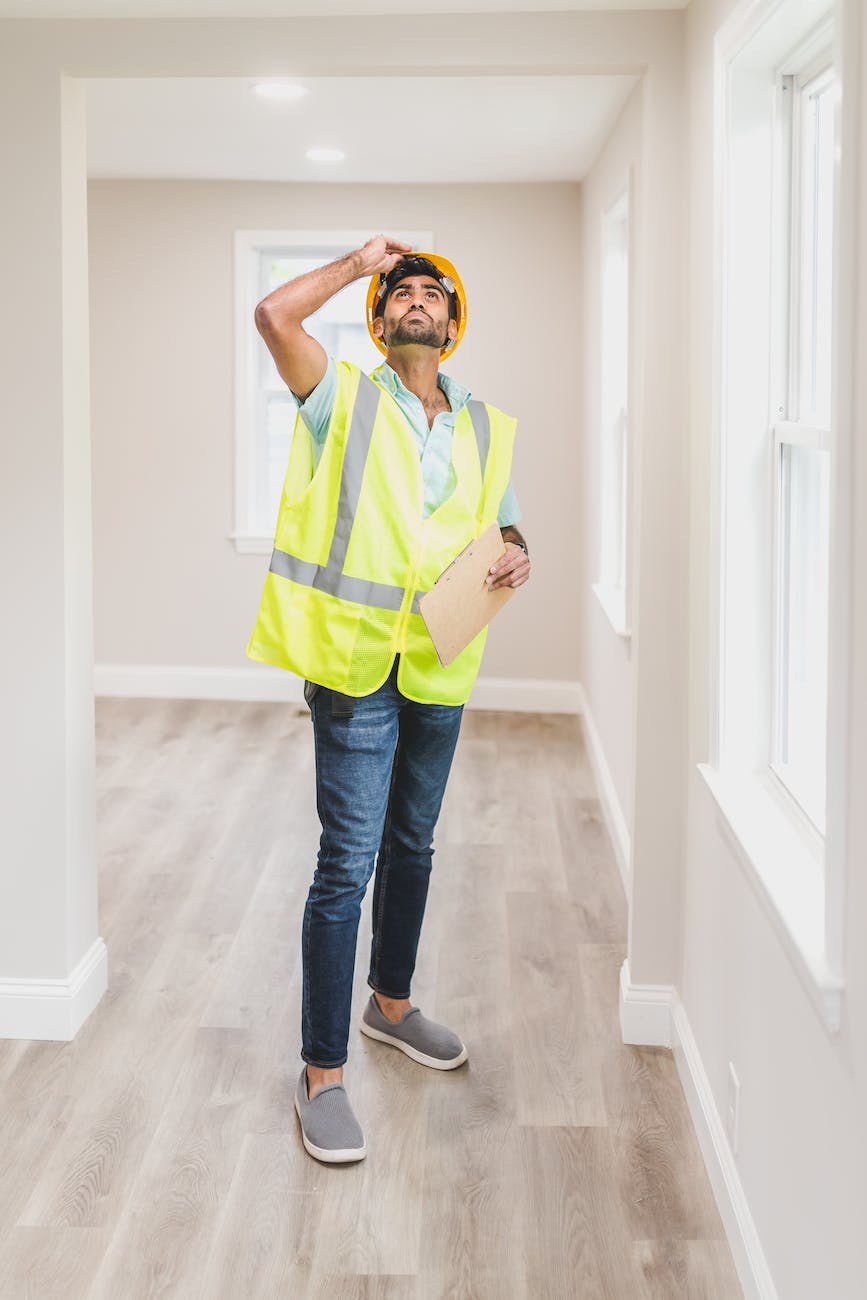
(434, 441)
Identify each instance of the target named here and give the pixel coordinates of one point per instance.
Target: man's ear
(378, 326)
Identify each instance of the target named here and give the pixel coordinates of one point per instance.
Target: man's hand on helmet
(381, 254)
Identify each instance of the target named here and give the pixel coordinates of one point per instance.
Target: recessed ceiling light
(326, 155)
(280, 90)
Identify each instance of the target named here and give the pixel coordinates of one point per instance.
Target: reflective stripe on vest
(330, 577)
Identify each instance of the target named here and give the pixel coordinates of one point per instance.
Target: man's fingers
(383, 253)
(394, 251)
(512, 570)
(512, 557)
(510, 577)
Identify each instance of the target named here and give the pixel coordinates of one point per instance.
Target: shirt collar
(391, 381)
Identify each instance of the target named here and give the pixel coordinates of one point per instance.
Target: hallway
(158, 1153)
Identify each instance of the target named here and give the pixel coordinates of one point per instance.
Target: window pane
(804, 624)
(817, 229)
(614, 386)
(279, 424)
(348, 340)
(612, 569)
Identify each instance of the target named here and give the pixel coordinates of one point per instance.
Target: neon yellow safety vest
(352, 552)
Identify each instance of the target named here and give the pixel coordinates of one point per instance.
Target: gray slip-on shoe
(422, 1039)
(329, 1129)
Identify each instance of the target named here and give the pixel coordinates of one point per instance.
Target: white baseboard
(608, 798)
(54, 1009)
(163, 682)
(526, 695)
(743, 1238)
(262, 683)
(652, 1015)
(645, 1011)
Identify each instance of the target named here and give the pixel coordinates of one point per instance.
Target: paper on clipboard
(460, 603)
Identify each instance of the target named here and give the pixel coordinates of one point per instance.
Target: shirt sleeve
(510, 511)
(316, 410)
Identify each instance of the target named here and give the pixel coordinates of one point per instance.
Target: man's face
(416, 311)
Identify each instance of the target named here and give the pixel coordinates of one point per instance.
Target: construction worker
(389, 477)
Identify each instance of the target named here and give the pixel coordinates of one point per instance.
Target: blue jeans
(380, 779)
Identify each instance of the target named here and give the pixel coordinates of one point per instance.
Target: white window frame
(249, 244)
(793, 425)
(613, 591)
(798, 877)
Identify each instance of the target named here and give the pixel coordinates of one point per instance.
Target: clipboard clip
(464, 554)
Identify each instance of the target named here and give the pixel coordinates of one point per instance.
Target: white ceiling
(511, 127)
(395, 129)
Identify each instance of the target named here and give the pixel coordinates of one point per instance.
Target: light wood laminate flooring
(158, 1154)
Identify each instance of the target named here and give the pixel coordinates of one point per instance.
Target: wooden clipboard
(460, 603)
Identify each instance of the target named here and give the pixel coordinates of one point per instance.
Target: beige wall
(605, 658)
(169, 588)
(803, 1151)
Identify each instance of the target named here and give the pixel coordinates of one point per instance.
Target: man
(389, 477)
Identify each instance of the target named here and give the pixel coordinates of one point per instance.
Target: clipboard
(460, 603)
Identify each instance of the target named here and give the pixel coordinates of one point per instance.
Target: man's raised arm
(301, 359)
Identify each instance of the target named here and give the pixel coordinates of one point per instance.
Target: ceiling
(395, 129)
(526, 128)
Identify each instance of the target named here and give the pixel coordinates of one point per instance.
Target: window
(780, 438)
(264, 408)
(802, 438)
(614, 424)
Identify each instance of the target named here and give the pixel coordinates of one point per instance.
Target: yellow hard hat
(448, 278)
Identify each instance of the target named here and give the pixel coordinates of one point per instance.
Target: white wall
(605, 658)
(803, 1124)
(163, 407)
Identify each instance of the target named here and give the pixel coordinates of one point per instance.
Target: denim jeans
(380, 779)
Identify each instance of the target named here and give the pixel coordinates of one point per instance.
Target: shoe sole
(435, 1062)
(340, 1156)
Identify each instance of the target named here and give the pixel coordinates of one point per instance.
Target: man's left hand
(511, 570)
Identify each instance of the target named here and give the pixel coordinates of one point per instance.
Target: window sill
(783, 868)
(613, 602)
(252, 543)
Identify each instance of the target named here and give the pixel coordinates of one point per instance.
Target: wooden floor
(159, 1155)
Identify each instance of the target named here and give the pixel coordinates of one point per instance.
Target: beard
(420, 329)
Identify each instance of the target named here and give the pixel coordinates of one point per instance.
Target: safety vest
(353, 553)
